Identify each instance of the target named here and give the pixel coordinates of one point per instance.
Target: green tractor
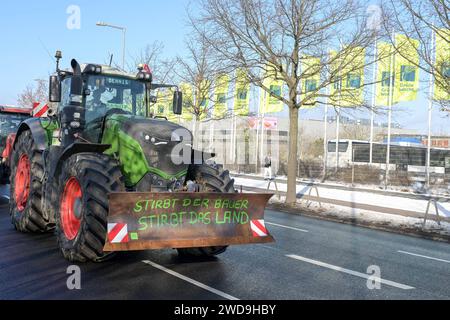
(100, 139)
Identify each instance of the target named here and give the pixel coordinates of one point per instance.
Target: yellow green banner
(188, 101)
(385, 53)
(202, 98)
(241, 94)
(270, 102)
(348, 65)
(164, 105)
(442, 75)
(310, 68)
(222, 84)
(406, 83)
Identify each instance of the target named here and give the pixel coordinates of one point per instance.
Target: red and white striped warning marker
(259, 228)
(118, 233)
(40, 110)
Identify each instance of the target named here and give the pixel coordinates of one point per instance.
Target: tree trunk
(195, 133)
(291, 196)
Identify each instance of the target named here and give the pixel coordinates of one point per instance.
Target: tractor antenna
(111, 59)
(58, 56)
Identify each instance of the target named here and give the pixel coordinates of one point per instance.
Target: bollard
(276, 187)
(434, 201)
(309, 202)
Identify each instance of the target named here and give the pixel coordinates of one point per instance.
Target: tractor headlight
(149, 139)
(92, 69)
(153, 140)
(144, 76)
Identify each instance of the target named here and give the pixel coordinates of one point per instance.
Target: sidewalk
(397, 203)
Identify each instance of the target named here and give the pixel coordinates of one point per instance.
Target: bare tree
(418, 19)
(33, 93)
(152, 55)
(199, 71)
(277, 38)
(356, 132)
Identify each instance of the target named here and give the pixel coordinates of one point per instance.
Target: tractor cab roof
(105, 70)
(110, 71)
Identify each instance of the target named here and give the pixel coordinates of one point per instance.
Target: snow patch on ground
(412, 189)
(366, 217)
(389, 201)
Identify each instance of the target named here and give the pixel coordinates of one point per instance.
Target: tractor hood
(147, 147)
(158, 130)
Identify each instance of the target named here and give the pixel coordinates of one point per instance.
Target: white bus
(406, 158)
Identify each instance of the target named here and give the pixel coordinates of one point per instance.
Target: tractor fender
(38, 133)
(75, 148)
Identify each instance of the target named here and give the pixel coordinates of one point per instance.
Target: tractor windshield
(109, 94)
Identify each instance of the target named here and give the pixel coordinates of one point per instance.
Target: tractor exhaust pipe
(73, 116)
(76, 89)
(76, 67)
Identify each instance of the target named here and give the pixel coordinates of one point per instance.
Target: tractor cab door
(65, 93)
(93, 119)
(96, 110)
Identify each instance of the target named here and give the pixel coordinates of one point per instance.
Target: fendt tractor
(105, 175)
(10, 119)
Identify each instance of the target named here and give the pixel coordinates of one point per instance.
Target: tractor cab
(101, 91)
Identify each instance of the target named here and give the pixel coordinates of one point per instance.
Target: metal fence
(241, 146)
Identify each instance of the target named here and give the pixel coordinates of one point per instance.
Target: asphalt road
(312, 259)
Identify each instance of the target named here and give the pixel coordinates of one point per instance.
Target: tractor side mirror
(54, 89)
(178, 102)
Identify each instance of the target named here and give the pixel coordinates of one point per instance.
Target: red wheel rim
(71, 208)
(22, 182)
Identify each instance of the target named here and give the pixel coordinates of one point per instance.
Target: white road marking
(287, 227)
(351, 272)
(422, 256)
(191, 281)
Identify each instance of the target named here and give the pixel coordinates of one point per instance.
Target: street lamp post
(124, 32)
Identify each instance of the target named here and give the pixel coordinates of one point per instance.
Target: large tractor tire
(26, 187)
(85, 181)
(210, 179)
